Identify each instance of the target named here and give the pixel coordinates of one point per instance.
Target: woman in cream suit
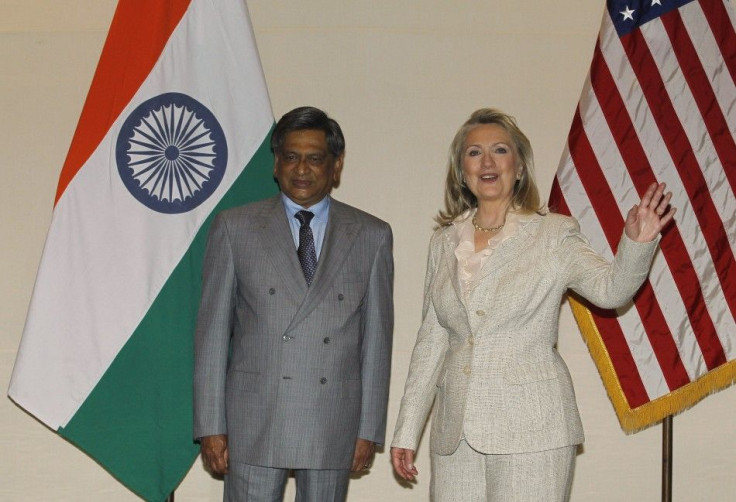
(506, 424)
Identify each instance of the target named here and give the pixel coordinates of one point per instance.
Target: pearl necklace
(484, 229)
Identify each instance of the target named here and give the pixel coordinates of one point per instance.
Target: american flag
(659, 104)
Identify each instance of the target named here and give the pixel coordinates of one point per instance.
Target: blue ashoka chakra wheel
(171, 153)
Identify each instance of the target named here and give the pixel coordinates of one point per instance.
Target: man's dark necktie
(306, 252)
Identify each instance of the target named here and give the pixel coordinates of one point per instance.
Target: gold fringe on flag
(635, 419)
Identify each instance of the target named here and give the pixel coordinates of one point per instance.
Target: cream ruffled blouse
(470, 263)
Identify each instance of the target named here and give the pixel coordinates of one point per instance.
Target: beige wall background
(400, 76)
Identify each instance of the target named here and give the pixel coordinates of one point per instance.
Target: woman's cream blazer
(491, 360)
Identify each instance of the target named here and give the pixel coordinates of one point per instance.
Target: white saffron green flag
(174, 129)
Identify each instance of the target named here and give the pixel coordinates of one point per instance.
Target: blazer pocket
(532, 396)
(244, 381)
(349, 296)
(526, 373)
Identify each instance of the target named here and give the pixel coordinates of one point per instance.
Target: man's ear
(337, 172)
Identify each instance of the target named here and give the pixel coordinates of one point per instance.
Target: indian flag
(175, 128)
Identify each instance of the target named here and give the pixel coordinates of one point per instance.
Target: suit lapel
(509, 250)
(275, 233)
(342, 230)
(450, 242)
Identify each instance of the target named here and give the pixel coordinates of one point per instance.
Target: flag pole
(666, 459)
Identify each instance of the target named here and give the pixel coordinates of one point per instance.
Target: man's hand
(403, 462)
(214, 454)
(363, 458)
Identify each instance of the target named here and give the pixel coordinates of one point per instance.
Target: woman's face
(490, 163)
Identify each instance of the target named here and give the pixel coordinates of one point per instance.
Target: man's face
(305, 168)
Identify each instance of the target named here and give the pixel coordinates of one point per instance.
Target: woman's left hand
(651, 215)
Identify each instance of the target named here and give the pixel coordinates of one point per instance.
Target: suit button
(480, 312)
(340, 297)
(272, 291)
(470, 340)
(323, 380)
(286, 338)
(326, 339)
(466, 370)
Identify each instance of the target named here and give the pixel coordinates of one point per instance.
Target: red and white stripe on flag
(659, 104)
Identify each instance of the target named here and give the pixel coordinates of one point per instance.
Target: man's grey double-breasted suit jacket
(490, 358)
(294, 374)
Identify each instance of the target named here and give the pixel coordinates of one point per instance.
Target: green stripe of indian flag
(115, 298)
(151, 450)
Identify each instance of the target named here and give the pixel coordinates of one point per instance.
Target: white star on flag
(628, 13)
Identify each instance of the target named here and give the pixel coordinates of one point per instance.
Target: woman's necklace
(484, 229)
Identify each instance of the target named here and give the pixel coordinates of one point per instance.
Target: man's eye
(316, 159)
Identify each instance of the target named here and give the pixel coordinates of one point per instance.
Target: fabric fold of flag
(658, 105)
(174, 129)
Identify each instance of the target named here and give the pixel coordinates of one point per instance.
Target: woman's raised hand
(647, 219)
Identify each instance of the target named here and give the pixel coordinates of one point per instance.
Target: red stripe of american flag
(611, 334)
(604, 204)
(702, 90)
(689, 170)
(673, 247)
(715, 122)
(723, 31)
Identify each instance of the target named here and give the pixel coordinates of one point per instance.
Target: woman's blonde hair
(458, 198)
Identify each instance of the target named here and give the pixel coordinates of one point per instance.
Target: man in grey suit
(293, 341)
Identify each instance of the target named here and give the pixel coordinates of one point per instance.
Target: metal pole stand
(667, 459)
